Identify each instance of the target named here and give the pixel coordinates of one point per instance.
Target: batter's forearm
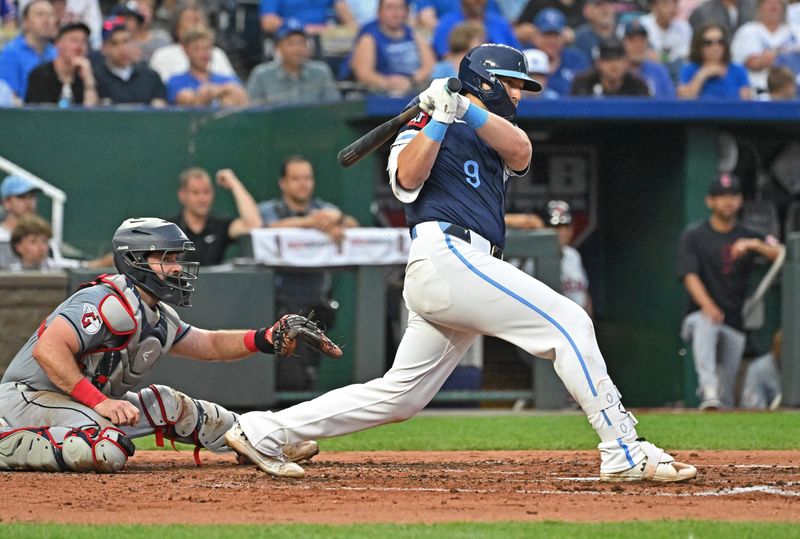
(415, 161)
(509, 141)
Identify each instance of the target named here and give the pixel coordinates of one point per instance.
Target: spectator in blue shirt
(498, 30)
(465, 36)
(199, 87)
(31, 48)
(656, 75)
(710, 73)
(430, 11)
(601, 21)
(388, 56)
(565, 62)
(312, 14)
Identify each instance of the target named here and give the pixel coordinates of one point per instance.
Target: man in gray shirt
(292, 78)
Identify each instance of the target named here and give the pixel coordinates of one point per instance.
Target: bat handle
(453, 85)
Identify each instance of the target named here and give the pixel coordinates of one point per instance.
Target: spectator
(669, 36)
(211, 234)
(781, 85)
(728, 14)
(29, 49)
(498, 30)
(600, 24)
(526, 27)
(30, 244)
(19, 199)
(302, 292)
(363, 11)
(388, 56)
(756, 44)
(539, 70)
(199, 86)
(654, 74)
(292, 78)
(119, 79)
(464, 37)
(715, 260)
(611, 75)
(314, 15)
(67, 80)
(430, 11)
(171, 60)
(8, 16)
(565, 62)
(71, 11)
(761, 389)
(710, 73)
(146, 39)
(574, 281)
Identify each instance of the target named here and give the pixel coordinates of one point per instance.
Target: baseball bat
(353, 153)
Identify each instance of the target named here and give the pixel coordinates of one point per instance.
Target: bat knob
(453, 85)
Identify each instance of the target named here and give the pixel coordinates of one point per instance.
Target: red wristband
(250, 341)
(85, 393)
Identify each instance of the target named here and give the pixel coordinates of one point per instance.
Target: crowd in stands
(189, 53)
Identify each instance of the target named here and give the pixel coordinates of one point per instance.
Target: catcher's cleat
(300, 451)
(279, 466)
(657, 466)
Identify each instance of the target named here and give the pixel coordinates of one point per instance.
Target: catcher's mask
(479, 71)
(137, 239)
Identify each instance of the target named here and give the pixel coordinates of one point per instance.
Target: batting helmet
(480, 68)
(136, 239)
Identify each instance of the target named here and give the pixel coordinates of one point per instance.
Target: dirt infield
(161, 487)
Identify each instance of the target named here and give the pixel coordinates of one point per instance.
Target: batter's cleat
(300, 451)
(657, 466)
(279, 466)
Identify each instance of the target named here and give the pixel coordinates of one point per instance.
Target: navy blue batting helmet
(480, 68)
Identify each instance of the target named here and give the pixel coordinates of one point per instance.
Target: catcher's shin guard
(179, 418)
(81, 450)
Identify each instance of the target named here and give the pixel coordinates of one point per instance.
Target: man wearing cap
(19, 199)
(601, 19)
(564, 62)
(68, 79)
(574, 281)
(119, 78)
(29, 49)
(611, 75)
(715, 260)
(539, 70)
(654, 74)
(292, 77)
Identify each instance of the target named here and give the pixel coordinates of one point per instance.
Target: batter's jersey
(112, 361)
(466, 186)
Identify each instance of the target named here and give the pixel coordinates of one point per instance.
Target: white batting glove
(462, 104)
(427, 98)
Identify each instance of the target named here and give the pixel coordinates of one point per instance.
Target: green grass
(455, 530)
(674, 431)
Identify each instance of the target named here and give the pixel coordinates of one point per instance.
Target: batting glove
(427, 98)
(462, 104)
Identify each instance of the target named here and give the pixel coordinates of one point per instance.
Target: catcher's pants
(717, 351)
(455, 290)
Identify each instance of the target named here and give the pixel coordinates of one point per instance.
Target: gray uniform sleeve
(82, 311)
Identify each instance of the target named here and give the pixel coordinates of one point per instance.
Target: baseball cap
(70, 27)
(290, 27)
(113, 24)
(635, 28)
(611, 49)
(725, 184)
(537, 61)
(14, 186)
(558, 213)
(128, 10)
(549, 20)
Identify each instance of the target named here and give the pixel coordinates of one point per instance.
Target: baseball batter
(66, 402)
(450, 166)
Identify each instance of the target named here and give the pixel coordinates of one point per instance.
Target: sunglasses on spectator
(709, 42)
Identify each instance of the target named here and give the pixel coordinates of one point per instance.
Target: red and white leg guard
(61, 449)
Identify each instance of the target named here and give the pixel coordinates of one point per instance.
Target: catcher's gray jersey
(121, 338)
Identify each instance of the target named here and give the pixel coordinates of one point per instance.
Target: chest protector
(143, 337)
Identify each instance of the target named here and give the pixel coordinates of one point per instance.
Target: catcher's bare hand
(291, 327)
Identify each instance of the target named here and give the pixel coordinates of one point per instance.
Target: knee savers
(179, 418)
(81, 450)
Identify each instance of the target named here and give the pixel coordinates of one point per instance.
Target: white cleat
(657, 466)
(279, 466)
(300, 451)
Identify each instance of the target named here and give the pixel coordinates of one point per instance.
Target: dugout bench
(243, 296)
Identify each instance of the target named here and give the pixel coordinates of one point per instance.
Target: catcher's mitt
(291, 327)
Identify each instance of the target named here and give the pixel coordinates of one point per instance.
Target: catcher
(65, 400)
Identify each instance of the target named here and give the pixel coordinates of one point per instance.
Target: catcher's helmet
(136, 239)
(480, 68)
(558, 213)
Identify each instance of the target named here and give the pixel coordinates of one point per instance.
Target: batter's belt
(473, 238)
